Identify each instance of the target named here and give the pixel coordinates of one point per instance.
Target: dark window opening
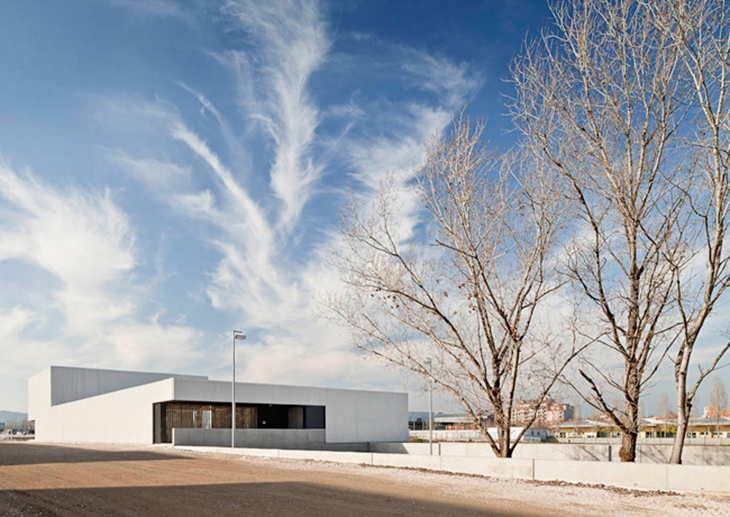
(201, 415)
(314, 417)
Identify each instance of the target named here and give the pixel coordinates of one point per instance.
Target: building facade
(650, 427)
(90, 405)
(550, 413)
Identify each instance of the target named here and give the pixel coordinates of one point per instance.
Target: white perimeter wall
(685, 478)
(693, 454)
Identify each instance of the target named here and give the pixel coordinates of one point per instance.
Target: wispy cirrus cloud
(272, 263)
(290, 43)
(81, 238)
(84, 241)
(248, 248)
(156, 175)
(454, 82)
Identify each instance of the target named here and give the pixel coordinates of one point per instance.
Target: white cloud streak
(156, 175)
(454, 82)
(291, 44)
(83, 239)
(272, 263)
(260, 279)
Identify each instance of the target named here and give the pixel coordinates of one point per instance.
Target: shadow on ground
(34, 454)
(259, 499)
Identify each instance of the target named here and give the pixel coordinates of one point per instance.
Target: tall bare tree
(465, 284)
(597, 98)
(700, 31)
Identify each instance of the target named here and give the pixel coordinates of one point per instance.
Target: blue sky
(170, 170)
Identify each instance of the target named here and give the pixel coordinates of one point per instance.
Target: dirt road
(54, 480)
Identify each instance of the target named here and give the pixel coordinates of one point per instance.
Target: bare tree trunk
(684, 404)
(684, 408)
(628, 446)
(504, 442)
(631, 422)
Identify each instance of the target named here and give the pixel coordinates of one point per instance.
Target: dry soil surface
(86, 480)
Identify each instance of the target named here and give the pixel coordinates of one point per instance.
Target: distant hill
(12, 416)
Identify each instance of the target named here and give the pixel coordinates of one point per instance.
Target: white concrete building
(90, 405)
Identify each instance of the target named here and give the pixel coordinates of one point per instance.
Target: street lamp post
(237, 334)
(430, 408)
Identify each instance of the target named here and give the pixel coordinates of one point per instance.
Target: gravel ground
(560, 498)
(85, 480)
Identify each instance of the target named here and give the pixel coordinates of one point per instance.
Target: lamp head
(237, 334)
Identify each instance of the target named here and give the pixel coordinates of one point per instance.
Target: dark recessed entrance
(203, 415)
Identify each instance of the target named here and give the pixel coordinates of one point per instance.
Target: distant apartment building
(550, 413)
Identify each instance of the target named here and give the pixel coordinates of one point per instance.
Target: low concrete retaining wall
(476, 436)
(301, 439)
(255, 438)
(652, 477)
(693, 454)
(681, 478)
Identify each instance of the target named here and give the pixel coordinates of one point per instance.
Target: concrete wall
(472, 436)
(123, 416)
(532, 435)
(220, 391)
(69, 384)
(351, 416)
(251, 438)
(39, 400)
(124, 411)
(647, 441)
(681, 478)
(366, 416)
(693, 454)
